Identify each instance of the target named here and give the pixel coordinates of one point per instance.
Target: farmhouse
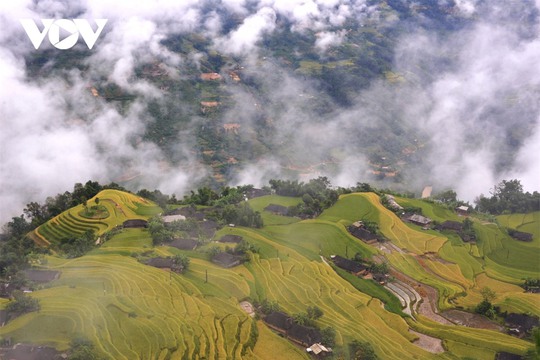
(254, 193)
(521, 323)
(165, 263)
(362, 234)
(277, 209)
(208, 228)
(229, 238)
(419, 220)
(226, 260)
(507, 356)
(462, 210)
(318, 349)
(304, 335)
(41, 276)
(135, 223)
(450, 225)
(184, 244)
(393, 204)
(520, 236)
(167, 219)
(279, 321)
(351, 266)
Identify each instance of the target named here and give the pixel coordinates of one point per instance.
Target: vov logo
(72, 27)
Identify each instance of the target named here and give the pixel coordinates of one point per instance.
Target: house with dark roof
(508, 356)
(165, 263)
(450, 225)
(362, 234)
(41, 276)
(520, 235)
(277, 209)
(304, 335)
(184, 244)
(226, 260)
(522, 324)
(135, 223)
(230, 238)
(254, 193)
(208, 228)
(351, 266)
(279, 321)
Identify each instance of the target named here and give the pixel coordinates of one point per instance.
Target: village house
(167, 219)
(165, 263)
(520, 236)
(319, 350)
(393, 204)
(419, 220)
(351, 266)
(229, 238)
(285, 325)
(31, 352)
(226, 260)
(521, 324)
(135, 223)
(184, 244)
(210, 76)
(450, 225)
(462, 210)
(358, 230)
(41, 276)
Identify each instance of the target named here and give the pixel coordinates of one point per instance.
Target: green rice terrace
(130, 310)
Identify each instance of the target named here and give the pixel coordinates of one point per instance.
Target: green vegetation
(127, 309)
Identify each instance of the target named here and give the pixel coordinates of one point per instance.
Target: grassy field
(133, 311)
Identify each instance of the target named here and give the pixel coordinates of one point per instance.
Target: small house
(520, 235)
(167, 219)
(419, 220)
(318, 349)
(362, 234)
(255, 193)
(279, 321)
(229, 238)
(522, 323)
(184, 244)
(226, 260)
(304, 335)
(165, 263)
(135, 223)
(462, 210)
(30, 352)
(41, 276)
(351, 266)
(450, 225)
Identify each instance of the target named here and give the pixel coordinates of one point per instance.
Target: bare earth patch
(431, 344)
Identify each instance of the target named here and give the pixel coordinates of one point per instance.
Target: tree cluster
(362, 350)
(21, 304)
(316, 195)
(76, 246)
(508, 197)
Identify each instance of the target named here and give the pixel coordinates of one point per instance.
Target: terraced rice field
(133, 311)
(120, 205)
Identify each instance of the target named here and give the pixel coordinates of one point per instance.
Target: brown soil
(428, 307)
(472, 320)
(431, 344)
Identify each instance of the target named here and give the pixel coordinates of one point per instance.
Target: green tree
(362, 350)
(182, 260)
(328, 336)
(314, 312)
(488, 294)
